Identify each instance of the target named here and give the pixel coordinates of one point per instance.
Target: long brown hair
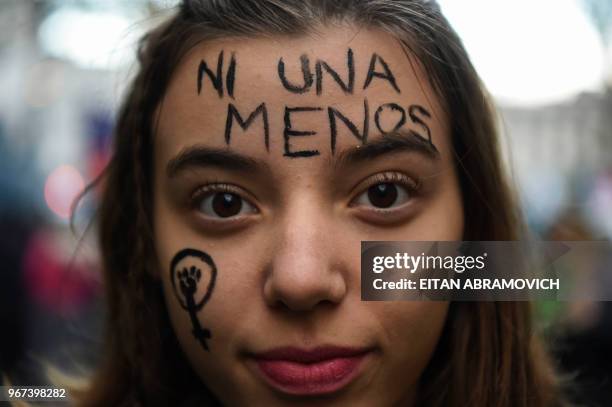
(488, 354)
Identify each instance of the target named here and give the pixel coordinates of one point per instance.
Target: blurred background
(64, 65)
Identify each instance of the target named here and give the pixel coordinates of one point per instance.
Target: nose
(305, 270)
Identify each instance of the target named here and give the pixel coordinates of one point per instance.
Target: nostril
(323, 289)
(293, 307)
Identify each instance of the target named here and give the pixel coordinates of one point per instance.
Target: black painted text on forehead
(387, 119)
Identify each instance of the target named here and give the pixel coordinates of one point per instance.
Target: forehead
(362, 74)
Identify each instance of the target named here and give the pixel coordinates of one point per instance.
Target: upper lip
(313, 355)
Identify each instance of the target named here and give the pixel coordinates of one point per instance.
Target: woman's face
(263, 172)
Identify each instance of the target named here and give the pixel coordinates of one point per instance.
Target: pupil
(226, 204)
(382, 195)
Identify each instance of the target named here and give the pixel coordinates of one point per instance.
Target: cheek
(443, 217)
(403, 319)
(411, 332)
(235, 291)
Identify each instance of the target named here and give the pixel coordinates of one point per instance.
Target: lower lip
(311, 379)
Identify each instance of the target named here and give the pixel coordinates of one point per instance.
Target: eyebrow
(388, 144)
(201, 156)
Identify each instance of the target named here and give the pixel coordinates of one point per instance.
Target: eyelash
(213, 187)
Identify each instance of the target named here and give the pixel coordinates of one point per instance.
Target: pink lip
(318, 371)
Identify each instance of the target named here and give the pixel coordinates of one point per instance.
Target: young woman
(260, 143)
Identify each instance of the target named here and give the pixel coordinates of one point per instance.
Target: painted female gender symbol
(188, 268)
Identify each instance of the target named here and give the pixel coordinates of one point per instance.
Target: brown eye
(386, 192)
(223, 204)
(383, 195)
(226, 204)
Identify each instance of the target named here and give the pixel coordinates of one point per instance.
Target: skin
(289, 263)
